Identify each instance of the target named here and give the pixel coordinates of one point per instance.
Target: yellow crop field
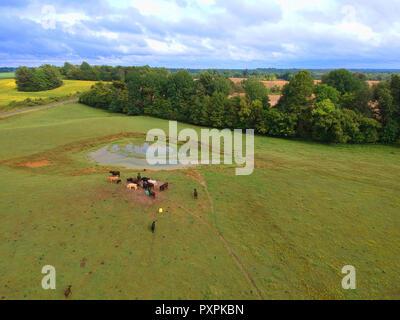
(9, 92)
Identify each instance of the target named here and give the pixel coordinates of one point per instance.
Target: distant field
(281, 83)
(7, 75)
(9, 92)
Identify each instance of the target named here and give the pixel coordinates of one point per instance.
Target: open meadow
(7, 75)
(9, 92)
(284, 232)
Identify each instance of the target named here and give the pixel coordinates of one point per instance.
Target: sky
(232, 34)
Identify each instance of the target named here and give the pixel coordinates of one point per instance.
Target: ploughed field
(286, 231)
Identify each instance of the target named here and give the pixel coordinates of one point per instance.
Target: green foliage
(391, 132)
(256, 90)
(46, 77)
(324, 91)
(395, 89)
(100, 95)
(383, 96)
(355, 91)
(279, 124)
(343, 80)
(327, 123)
(177, 96)
(297, 93)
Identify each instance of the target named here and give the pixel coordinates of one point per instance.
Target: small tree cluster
(43, 78)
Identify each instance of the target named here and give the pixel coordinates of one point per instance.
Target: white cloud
(170, 47)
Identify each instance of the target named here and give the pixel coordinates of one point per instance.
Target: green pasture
(284, 232)
(7, 75)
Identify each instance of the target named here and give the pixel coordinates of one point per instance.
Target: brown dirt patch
(132, 197)
(83, 263)
(37, 164)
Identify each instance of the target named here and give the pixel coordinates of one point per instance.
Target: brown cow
(164, 186)
(114, 179)
(68, 291)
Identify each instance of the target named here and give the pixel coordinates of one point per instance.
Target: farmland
(286, 231)
(7, 75)
(9, 92)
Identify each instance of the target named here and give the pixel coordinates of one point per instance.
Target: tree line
(342, 109)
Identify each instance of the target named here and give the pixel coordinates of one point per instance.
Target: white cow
(132, 186)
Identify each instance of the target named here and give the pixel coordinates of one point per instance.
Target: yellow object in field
(160, 210)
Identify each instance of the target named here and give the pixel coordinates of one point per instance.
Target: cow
(153, 226)
(68, 291)
(115, 173)
(164, 186)
(145, 179)
(132, 180)
(195, 193)
(132, 186)
(152, 182)
(114, 179)
(147, 185)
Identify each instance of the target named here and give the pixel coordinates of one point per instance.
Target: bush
(391, 132)
(279, 124)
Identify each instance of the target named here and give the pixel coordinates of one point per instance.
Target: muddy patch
(133, 198)
(37, 164)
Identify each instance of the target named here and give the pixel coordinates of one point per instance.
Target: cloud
(202, 33)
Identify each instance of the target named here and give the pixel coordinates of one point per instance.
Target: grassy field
(9, 92)
(7, 75)
(286, 231)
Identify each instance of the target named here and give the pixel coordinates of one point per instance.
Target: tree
(326, 126)
(23, 79)
(46, 77)
(207, 82)
(343, 80)
(395, 87)
(384, 99)
(297, 93)
(255, 90)
(323, 92)
(279, 124)
(391, 132)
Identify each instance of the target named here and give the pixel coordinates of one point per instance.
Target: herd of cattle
(140, 182)
(133, 184)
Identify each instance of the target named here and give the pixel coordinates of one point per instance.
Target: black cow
(147, 185)
(132, 180)
(115, 173)
(164, 186)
